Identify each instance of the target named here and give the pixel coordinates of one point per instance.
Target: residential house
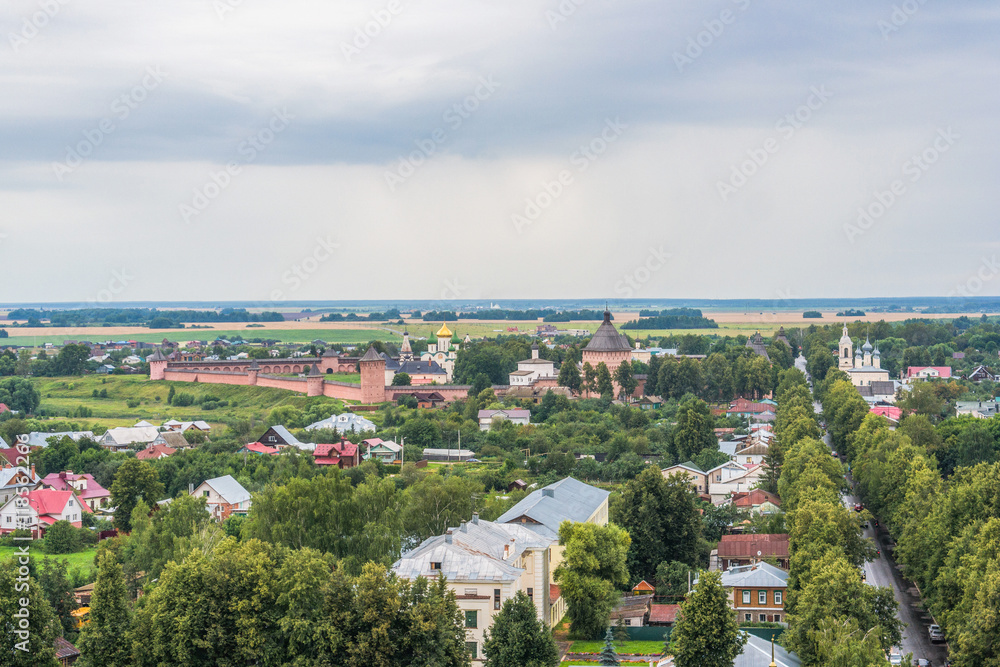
(643, 587)
(385, 451)
(879, 391)
(663, 615)
(155, 451)
(66, 653)
(344, 423)
(41, 439)
(83, 485)
(649, 403)
(448, 455)
(224, 496)
(518, 485)
(531, 370)
(173, 439)
(427, 400)
(928, 372)
(757, 501)
(699, 479)
(741, 407)
(758, 592)
(342, 454)
(632, 610)
(736, 550)
(978, 409)
(40, 509)
(128, 437)
(14, 480)
(890, 412)
(753, 452)
(279, 437)
(486, 417)
(174, 425)
(257, 448)
(980, 373)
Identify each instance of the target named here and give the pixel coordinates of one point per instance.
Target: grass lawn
(83, 560)
(65, 395)
(634, 647)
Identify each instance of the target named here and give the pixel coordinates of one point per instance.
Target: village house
(699, 479)
(40, 509)
(342, 454)
(980, 373)
(757, 501)
(978, 409)
(83, 485)
(174, 425)
(128, 437)
(519, 417)
(257, 448)
(172, 439)
(16, 479)
(736, 550)
(40, 439)
(224, 496)
(279, 437)
(758, 592)
(343, 423)
(386, 451)
(487, 562)
(928, 372)
(632, 610)
(155, 451)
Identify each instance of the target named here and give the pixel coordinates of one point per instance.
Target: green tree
(819, 362)
(401, 380)
(605, 387)
(626, 380)
(706, 633)
(53, 577)
(134, 479)
(517, 638)
(436, 502)
(662, 516)
(694, 432)
(61, 538)
(672, 579)
(589, 378)
(569, 376)
(591, 574)
(28, 644)
(609, 656)
(104, 641)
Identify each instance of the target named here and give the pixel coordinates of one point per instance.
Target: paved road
(883, 572)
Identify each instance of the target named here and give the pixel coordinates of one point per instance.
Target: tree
(589, 378)
(19, 394)
(592, 571)
(706, 633)
(605, 387)
(27, 644)
(401, 380)
(134, 479)
(609, 656)
(517, 638)
(71, 359)
(694, 431)
(662, 516)
(61, 538)
(480, 383)
(923, 399)
(53, 577)
(569, 376)
(819, 362)
(436, 502)
(672, 579)
(104, 640)
(626, 380)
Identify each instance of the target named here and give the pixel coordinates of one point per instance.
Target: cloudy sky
(307, 149)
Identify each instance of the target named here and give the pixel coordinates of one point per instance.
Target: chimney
(191, 489)
(464, 527)
(447, 538)
(475, 518)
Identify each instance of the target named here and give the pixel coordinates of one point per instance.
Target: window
(761, 597)
(531, 594)
(747, 617)
(435, 566)
(777, 597)
(472, 648)
(471, 591)
(746, 597)
(763, 618)
(777, 618)
(628, 621)
(472, 619)
(205, 494)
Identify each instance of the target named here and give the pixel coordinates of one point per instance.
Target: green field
(66, 394)
(83, 560)
(97, 334)
(633, 647)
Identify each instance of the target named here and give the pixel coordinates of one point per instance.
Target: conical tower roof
(157, 356)
(314, 370)
(607, 338)
(371, 355)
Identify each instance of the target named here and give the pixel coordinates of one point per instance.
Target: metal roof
(565, 500)
(230, 490)
(607, 338)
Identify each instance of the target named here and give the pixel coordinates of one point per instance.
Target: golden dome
(444, 332)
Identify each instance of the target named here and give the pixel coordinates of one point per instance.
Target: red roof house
(663, 614)
(890, 411)
(154, 452)
(83, 485)
(928, 372)
(45, 507)
(746, 549)
(342, 454)
(258, 448)
(754, 498)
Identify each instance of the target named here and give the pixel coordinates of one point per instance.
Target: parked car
(922, 662)
(895, 656)
(936, 634)
(858, 507)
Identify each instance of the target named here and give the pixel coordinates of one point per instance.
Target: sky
(497, 149)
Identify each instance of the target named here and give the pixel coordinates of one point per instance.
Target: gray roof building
(757, 575)
(230, 490)
(607, 338)
(566, 500)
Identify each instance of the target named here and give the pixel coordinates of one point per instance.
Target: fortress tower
(372, 377)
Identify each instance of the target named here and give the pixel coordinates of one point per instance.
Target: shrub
(133, 402)
(61, 538)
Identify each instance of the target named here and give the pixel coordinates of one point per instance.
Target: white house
(344, 423)
(40, 509)
(223, 496)
(15, 479)
(125, 437)
(486, 417)
(40, 439)
(530, 370)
